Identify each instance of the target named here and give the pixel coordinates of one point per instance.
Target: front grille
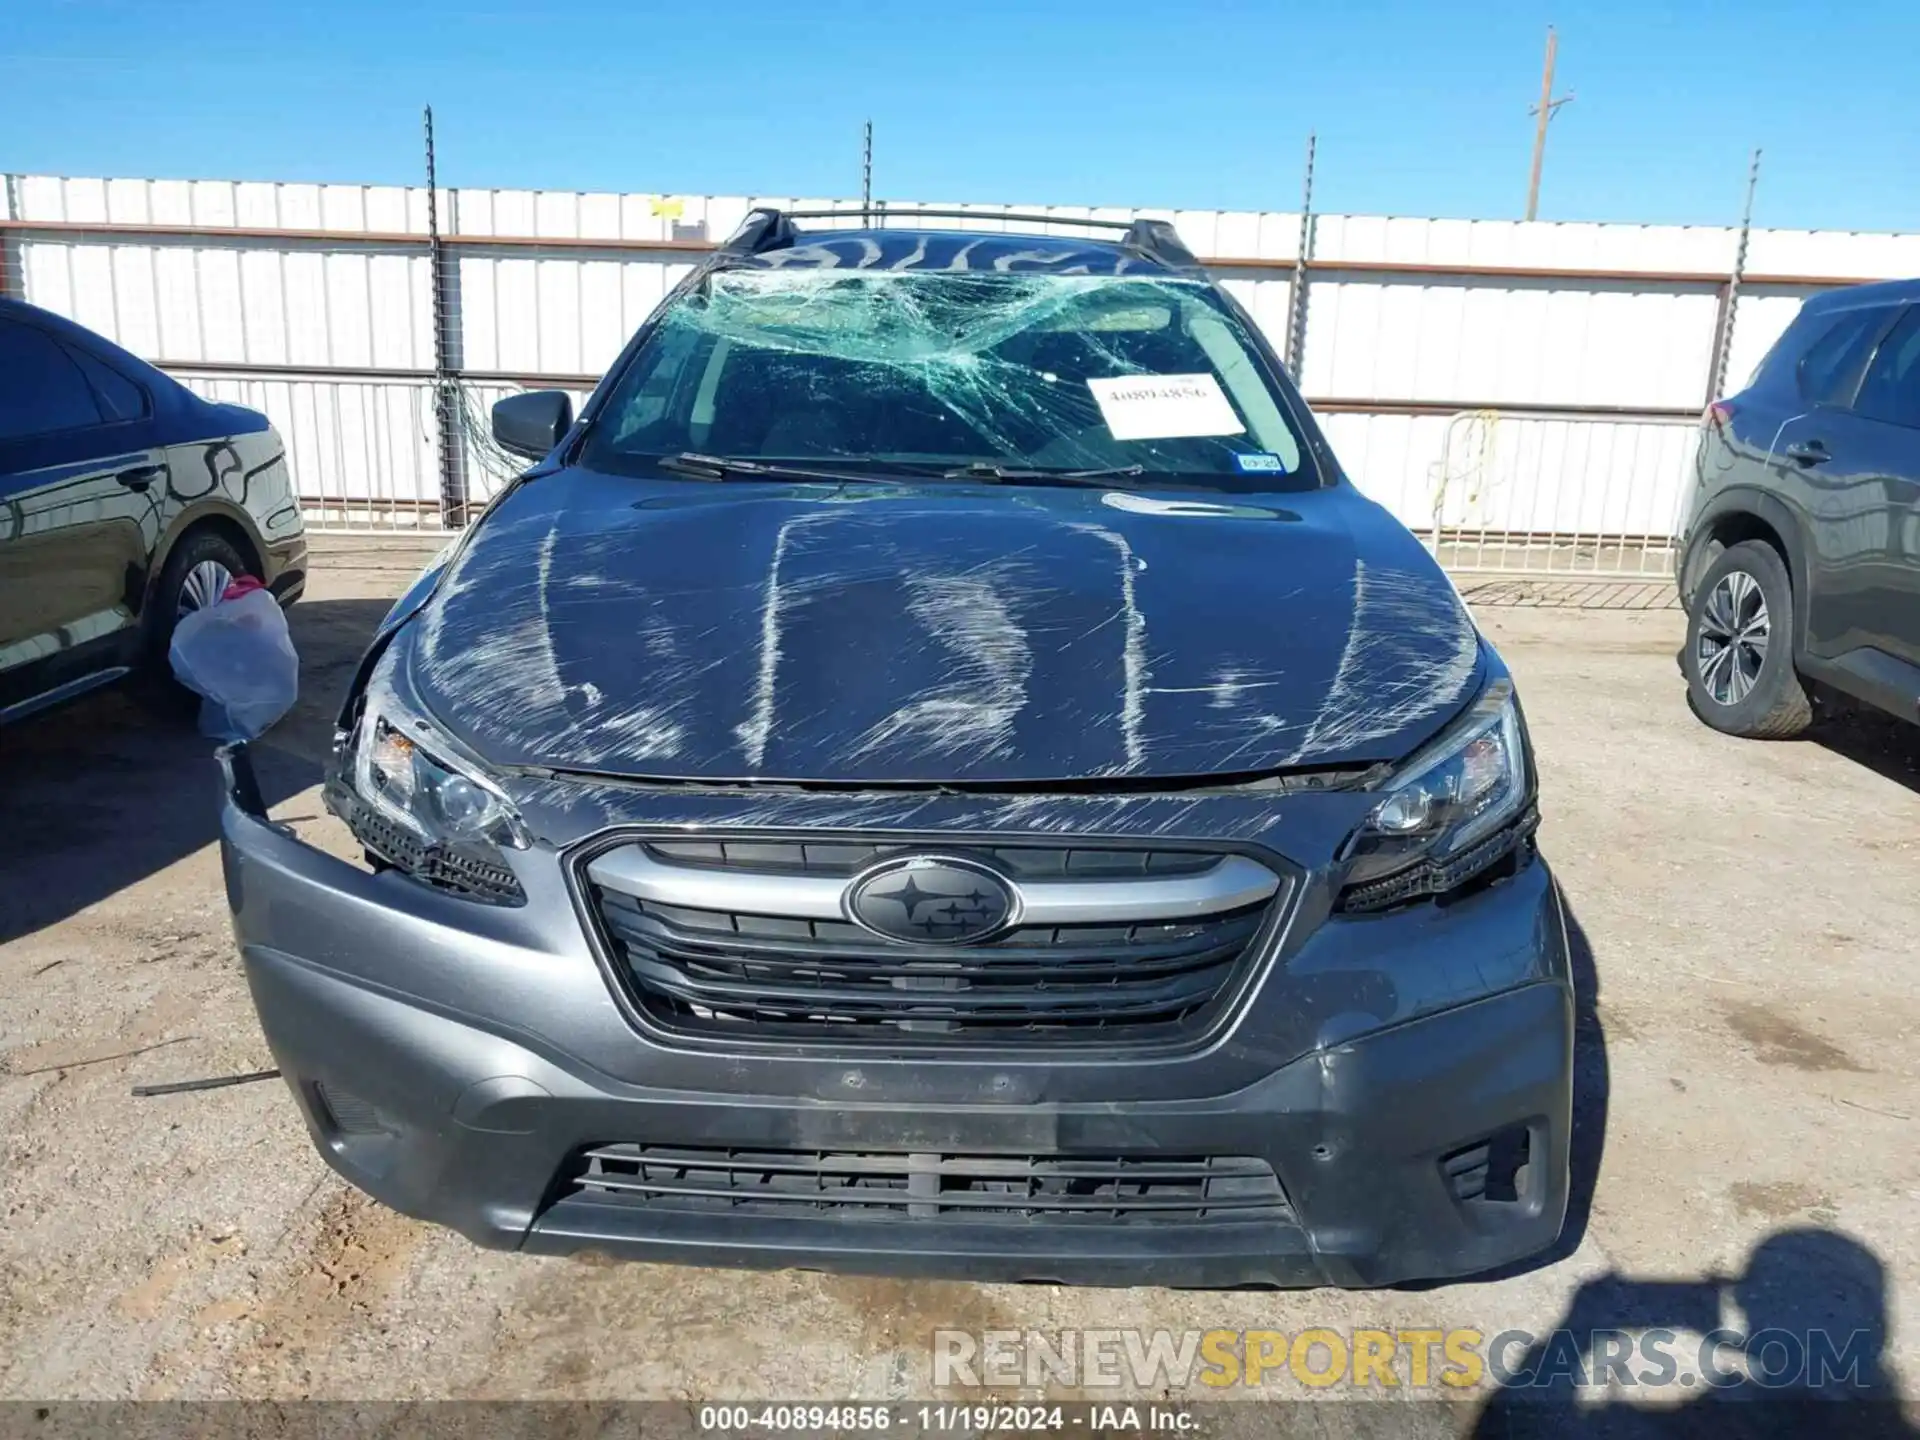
(1093, 1190)
(742, 974)
(791, 975)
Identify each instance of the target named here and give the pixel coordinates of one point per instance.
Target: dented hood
(974, 634)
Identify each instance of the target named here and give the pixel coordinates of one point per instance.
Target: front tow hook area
(239, 782)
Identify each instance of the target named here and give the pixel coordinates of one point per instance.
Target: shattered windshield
(922, 373)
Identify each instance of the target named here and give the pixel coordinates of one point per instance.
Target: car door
(1886, 420)
(1823, 462)
(81, 488)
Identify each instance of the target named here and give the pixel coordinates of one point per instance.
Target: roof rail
(768, 228)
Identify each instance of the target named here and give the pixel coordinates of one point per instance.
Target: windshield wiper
(997, 474)
(719, 467)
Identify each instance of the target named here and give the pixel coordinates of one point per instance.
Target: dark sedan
(126, 501)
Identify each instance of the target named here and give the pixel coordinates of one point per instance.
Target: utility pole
(1545, 110)
(866, 171)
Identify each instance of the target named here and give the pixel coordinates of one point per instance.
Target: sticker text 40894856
(1164, 407)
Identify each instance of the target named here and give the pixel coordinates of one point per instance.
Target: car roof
(1879, 292)
(951, 250)
(178, 411)
(87, 339)
(21, 310)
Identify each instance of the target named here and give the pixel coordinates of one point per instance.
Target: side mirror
(530, 425)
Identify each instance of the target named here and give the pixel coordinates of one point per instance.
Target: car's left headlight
(1452, 811)
(416, 808)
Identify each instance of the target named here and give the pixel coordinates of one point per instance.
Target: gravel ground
(1747, 1068)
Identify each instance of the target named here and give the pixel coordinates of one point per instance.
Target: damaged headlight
(1453, 811)
(400, 775)
(417, 809)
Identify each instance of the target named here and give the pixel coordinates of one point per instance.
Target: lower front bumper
(482, 1129)
(472, 1108)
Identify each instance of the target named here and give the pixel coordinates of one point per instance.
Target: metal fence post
(1730, 294)
(866, 171)
(11, 258)
(1303, 254)
(446, 390)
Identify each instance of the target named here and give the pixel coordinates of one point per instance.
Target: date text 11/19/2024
(971, 1418)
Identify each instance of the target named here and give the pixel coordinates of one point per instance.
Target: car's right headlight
(415, 807)
(1452, 811)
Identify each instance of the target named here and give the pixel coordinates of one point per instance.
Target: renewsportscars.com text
(1418, 1359)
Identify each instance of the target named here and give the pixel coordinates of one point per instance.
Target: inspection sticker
(1164, 407)
(1260, 462)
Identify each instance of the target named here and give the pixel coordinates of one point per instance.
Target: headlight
(397, 771)
(1450, 812)
(419, 810)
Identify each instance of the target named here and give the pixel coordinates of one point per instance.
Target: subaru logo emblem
(932, 900)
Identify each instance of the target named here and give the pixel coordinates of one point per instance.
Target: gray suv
(934, 770)
(1800, 565)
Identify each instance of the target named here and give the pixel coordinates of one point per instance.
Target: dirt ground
(1747, 1068)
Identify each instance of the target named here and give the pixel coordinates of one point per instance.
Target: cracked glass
(925, 372)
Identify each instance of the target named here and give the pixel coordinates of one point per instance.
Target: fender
(411, 602)
(1785, 521)
(213, 507)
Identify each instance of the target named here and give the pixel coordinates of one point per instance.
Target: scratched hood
(964, 634)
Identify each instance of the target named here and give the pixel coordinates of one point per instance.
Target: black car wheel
(1739, 653)
(197, 573)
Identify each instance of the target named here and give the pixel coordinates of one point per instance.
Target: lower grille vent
(1493, 1170)
(1095, 1190)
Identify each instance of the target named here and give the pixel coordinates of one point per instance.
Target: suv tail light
(1716, 415)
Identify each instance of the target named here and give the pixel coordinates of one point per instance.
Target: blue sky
(1421, 109)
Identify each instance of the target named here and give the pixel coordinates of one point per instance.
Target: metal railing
(1508, 492)
(1559, 494)
(366, 453)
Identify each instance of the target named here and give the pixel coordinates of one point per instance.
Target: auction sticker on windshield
(1164, 407)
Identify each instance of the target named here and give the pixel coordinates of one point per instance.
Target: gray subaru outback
(934, 770)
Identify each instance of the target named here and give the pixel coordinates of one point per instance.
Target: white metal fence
(1522, 392)
(368, 452)
(1559, 493)
(365, 453)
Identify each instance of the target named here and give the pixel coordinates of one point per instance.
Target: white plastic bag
(238, 657)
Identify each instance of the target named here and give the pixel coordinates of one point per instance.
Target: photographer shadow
(1809, 1361)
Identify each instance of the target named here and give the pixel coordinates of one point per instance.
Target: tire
(1738, 658)
(190, 580)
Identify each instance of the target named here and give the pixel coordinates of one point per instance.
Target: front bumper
(369, 986)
